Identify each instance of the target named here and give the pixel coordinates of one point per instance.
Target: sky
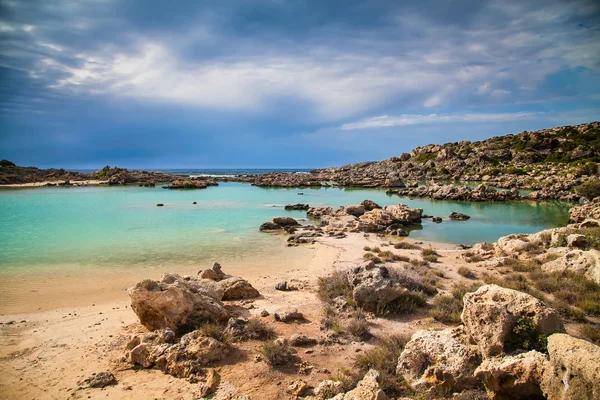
(285, 83)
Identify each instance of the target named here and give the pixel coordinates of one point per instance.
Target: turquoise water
(122, 226)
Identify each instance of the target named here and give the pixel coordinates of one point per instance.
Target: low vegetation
(406, 246)
(589, 189)
(217, 332)
(446, 309)
(277, 353)
(256, 329)
(526, 335)
(466, 272)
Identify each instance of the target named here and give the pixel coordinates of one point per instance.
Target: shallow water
(109, 226)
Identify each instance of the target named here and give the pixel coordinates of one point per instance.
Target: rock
(288, 316)
(574, 369)
(304, 237)
(579, 214)
(213, 379)
(298, 339)
(367, 389)
(375, 287)
(285, 221)
(582, 262)
(590, 223)
(191, 355)
(270, 226)
(489, 315)
(190, 184)
(356, 209)
(442, 359)
(437, 220)
(403, 214)
(575, 240)
(298, 206)
(236, 288)
(140, 355)
(99, 380)
(318, 212)
(369, 205)
(458, 216)
(175, 303)
(285, 287)
(328, 389)
(160, 205)
(264, 313)
(297, 388)
(513, 377)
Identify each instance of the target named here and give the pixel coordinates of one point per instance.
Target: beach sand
(70, 331)
(55, 183)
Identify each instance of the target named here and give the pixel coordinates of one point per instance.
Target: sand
(55, 183)
(45, 353)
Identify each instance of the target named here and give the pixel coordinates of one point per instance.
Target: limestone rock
(210, 385)
(99, 380)
(458, 216)
(236, 288)
(285, 221)
(490, 313)
(582, 262)
(513, 377)
(301, 207)
(575, 240)
(369, 205)
(328, 389)
(288, 316)
(367, 389)
(579, 214)
(574, 369)
(355, 209)
(442, 359)
(175, 303)
(297, 388)
(403, 214)
(298, 339)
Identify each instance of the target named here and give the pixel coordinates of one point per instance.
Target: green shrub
(526, 335)
(466, 272)
(359, 327)
(216, 332)
(589, 189)
(256, 329)
(431, 258)
(335, 285)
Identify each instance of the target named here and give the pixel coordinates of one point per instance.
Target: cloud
(404, 120)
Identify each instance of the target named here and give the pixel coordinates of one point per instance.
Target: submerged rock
(299, 206)
(458, 216)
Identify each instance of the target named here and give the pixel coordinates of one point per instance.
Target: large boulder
(369, 205)
(582, 262)
(376, 220)
(442, 359)
(513, 377)
(285, 221)
(573, 372)
(175, 303)
(490, 313)
(355, 209)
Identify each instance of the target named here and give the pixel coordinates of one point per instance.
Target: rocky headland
(549, 162)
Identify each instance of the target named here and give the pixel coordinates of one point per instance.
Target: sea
(50, 230)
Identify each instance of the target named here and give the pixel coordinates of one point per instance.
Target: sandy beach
(45, 353)
(55, 183)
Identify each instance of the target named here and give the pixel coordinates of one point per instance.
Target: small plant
(406, 303)
(359, 327)
(589, 189)
(432, 258)
(525, 335)
(406, 246)
(591, 332)
(429, 252)
(277, 353)
(446, 309)
(256, 329)
(475, 258)
(466, 272)
(216, 332)
(335, 285)
(383, 357)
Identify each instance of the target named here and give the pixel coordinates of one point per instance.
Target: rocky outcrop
(580, 213)
(294, 207)
(286, 224)
(513, 377)
(369, 205)
(441, 359)
(226, 287)
(458, 216)
(328, 389)
(490, 313)
(177, 303)
(193, 183)
(462, 193)
(573, 372)
(586, 263)
(181, 358)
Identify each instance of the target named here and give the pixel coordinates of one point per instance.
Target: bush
(383, 357)
(431, 258)
(591, 332)
(406, 303)
(359, 327)
(589, 189)
(446, 309)
(256, 329)
(406, 246)
(277, 353)
(429, 252)
(466, 272)
(6, 163)
(526, 335)
(410, 280)
(216, 332)
(335, 285)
